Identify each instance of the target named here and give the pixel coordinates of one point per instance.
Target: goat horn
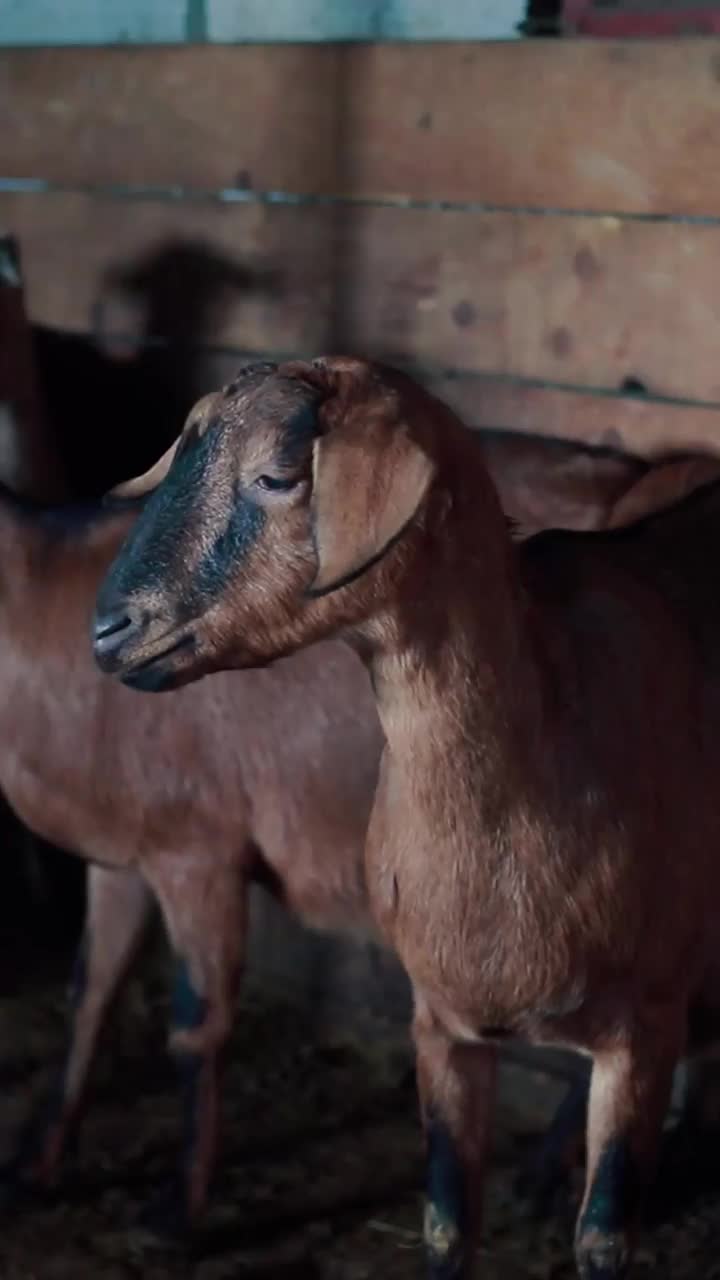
(150, 480)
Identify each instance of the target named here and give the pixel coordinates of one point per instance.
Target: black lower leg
(612, 1207)
(547, 1172)
(189, 1012)
(171, 1211)
(629, 1094)
(689, 1165)
(446, 1212)
(44, 1135)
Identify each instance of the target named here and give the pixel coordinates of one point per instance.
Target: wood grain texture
(582, 302)
(641, 427)
(582, 125)
(198, 117)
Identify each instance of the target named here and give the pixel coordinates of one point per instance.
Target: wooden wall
(535, 226)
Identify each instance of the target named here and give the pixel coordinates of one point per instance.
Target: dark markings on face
(162, 551)
(613, 1201)
(244, 525)
(152, 554)
(160, 554)
(298, 434)
(155, 553)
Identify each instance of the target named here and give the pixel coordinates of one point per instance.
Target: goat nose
(111, 630)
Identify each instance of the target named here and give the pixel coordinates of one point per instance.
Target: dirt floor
(321, 1166)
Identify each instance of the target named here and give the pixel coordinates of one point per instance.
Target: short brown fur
(543, 847)
(214, 786)
(187, 800)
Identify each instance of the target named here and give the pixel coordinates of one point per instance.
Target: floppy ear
(662, 486)
(362, 500)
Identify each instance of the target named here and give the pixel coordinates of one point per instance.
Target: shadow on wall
(118, 397)
(113, 401)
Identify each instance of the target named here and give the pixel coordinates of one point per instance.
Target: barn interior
(520, 205)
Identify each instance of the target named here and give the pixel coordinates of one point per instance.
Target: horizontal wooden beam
(590, 126)
(634, 425)
(578, 302)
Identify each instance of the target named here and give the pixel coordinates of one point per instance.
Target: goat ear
(665, 484)
(362, 501)
(145, 483)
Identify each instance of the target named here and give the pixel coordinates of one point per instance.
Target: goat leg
(205, 910)
(629, 1094)
(690, 1161)
(456, 1087)
(118, 904)
(547, 1172)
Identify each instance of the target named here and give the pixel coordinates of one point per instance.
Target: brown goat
(186, 802)
(134, 787)
(542, 852)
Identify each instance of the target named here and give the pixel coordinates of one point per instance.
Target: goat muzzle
(111, 631)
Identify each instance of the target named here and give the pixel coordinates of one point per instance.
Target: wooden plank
(586, 303)
(631, 425)
(219, 117)
(581, 125)
(645, 428)
(75, 22)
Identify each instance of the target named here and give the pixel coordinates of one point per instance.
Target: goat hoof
(443, 1269)
(166, 1213)
(448, 1269)
(602, 1259)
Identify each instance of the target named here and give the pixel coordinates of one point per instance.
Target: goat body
(542, 848)
(264, 775)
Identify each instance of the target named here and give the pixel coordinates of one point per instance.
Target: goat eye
(277, 484)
